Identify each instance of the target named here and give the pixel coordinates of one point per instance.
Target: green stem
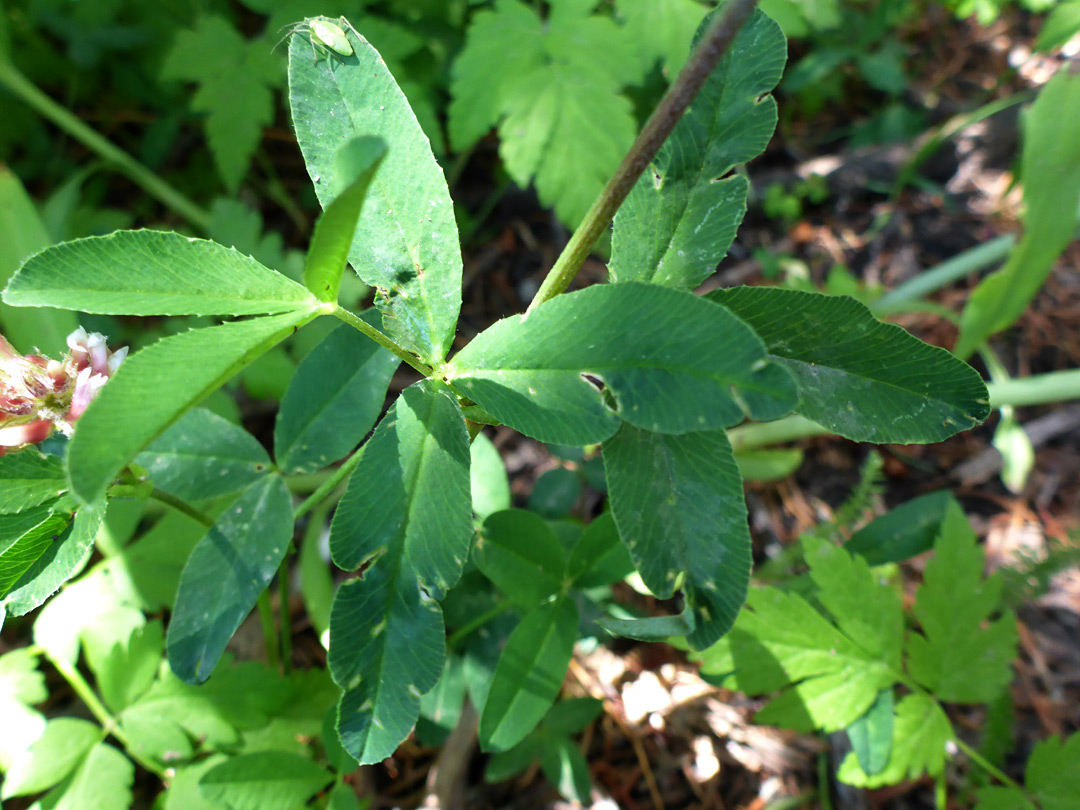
(973, 260)
(462, 633)
(87, 695)
(266, 613)
(23, 88)
(181, 505)
(705, 58)
(987, 765)
(361, 325)
(328, 485)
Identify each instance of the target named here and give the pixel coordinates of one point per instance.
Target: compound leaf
(681, 216)
(661, 30)
(862, 379)
(579, 364)
(407, 244)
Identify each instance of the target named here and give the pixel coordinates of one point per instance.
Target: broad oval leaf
(203, 456)
(518, 551)
(153, 273)
(529, 674)
(407, 243)
(680, 218)
(264, 780)
(155, 386)
(225, 574)
(29, 478)
(661, 359)
(332, 401)
(862, 379)
(679, 505)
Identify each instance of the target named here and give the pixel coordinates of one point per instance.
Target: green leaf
(487, 478)
(129, 669)
(679, 505)
(1051, 778)
(268, 780)
(961, 656)
(555, 493)
(355, 165)
(24, 537)
(203, 456)
(441, 707)
(862, 379)
(60, 562)
(333, 400)
(53, 755)
(921, 732)
(1003, 798)
(871, 734)
(235, 89)
(227, 571)
(183, 792)
(652, 628)
(681, 216)
(599, 557)
(519, 552)
(406, 510)
(572, 715)
(29, 478)
(153, 273)
(566, 768)
(407, 246)
(102, 781)
(903, 532)
(22, 233)
(529, 674)
(832, 672)
(1061, 25)
(1050, 168)
(582, 362)
(662, 30)
(768, 464)
(21, 685)
(155, 386)
(546, 83)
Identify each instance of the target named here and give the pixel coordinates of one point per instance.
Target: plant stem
(987, 765)
(20, 86)
(335, 478)
(361, 325)
(973, 260)
(181, 505)
(705, 58)
(266, 613)
(462, 633)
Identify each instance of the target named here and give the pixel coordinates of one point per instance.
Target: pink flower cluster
(38, 395)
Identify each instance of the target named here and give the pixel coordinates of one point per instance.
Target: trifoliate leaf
(548, 84)
(960, 657)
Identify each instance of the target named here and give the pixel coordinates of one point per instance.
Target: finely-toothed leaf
(25, 537)
(23, 233)
(406, 511)
(961, 656)
(833, 672)
(29, 478)
(129, 669)
(679, 505)
(55, 754)
(862, 379)
(546, 83)
(225, 574)
(518, 551)
(661, 359)
(1051, 778)
(1050, 168)
(921, 732)
(871, 735)
(265, 780)
(407, 243)
(203, 456)
(153, 273)
(102, 780)
(662, 31)
(333, 400)
(529, 674)
(354, 166)
(155, 386)
(236, 80)
(680, 218)
(61, 561)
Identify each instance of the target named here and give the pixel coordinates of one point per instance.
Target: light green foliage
(521, 555)
(1051, 779)
(28, 479)
(236, 79)
(547, 84)
(861, 378)
(408, 248)
(661, 30)
(1061, 25)
(681, 216)
(24, 537)
(102, 780)
(541, 374)
(1050, 169)
(407, 511)
(487, 475)
(54, 755)
(961, 656)
(268, 780)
